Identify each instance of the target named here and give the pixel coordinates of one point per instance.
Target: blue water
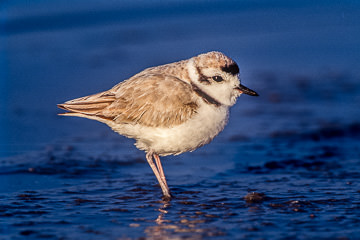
(296, 146)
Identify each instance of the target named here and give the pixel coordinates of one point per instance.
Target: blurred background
(52, 51)
(296, 145)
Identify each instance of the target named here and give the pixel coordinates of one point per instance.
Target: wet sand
(293, 186)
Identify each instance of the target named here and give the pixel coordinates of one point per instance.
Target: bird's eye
(217, 78)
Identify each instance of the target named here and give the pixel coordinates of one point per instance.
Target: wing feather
(154, 100)
(90, 105)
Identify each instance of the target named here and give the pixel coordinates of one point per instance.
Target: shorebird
(168, 109)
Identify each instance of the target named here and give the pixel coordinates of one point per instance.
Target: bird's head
(218, 76)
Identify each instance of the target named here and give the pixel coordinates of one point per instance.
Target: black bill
(248, 91)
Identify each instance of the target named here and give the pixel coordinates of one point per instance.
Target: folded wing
(153, 100)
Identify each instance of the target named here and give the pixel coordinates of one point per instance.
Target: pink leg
(159, 166)
(164, 187)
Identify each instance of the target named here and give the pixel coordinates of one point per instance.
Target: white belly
(196, 132)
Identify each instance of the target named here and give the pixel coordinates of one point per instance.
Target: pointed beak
(248, 91)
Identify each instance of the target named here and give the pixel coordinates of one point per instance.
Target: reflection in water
(162, 211)
(184, 225)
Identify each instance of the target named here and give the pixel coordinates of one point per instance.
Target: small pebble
(255, 197)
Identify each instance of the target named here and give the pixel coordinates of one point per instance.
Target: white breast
(196, 132)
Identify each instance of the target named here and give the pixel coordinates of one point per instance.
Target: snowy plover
(168, 109)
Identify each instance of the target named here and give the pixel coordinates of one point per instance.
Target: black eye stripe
(202, 77)
(217, 78)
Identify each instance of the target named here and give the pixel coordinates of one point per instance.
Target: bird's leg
(161, 171)
(164, 188)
